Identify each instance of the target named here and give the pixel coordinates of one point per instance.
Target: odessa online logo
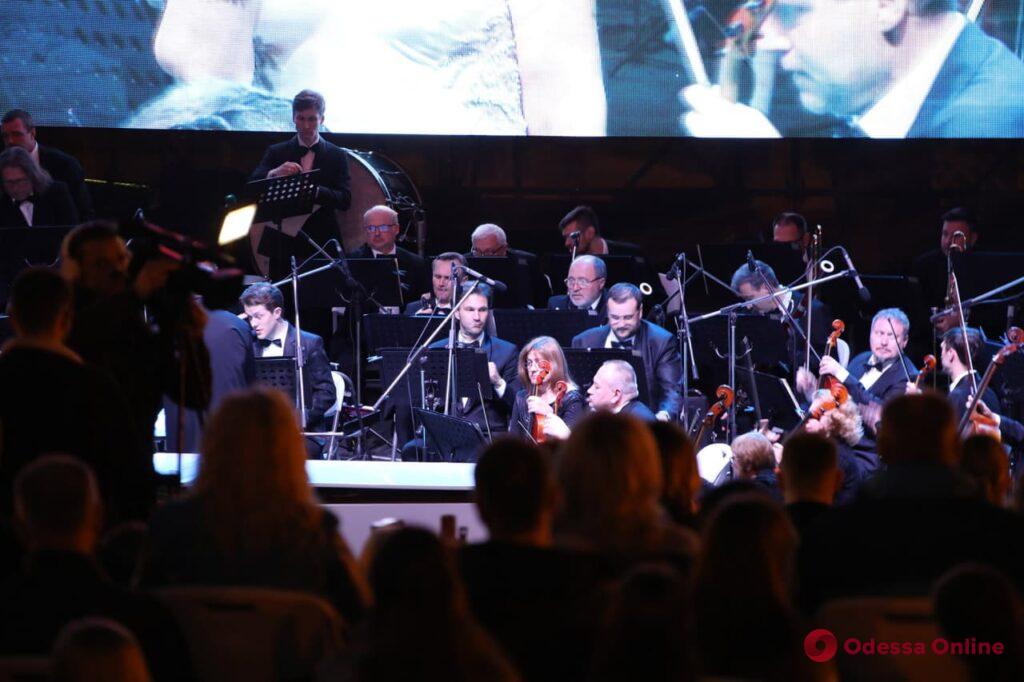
(820, 645)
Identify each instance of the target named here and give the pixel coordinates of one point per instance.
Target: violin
(928, 368)
(838, 395)
(743, 28)
(725, 396)
(560, 388)
(1015, 341)
(827, 382)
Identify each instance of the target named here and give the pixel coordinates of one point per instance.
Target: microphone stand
(449, 404)
(685, 339)
(298, 347)
(575, 245)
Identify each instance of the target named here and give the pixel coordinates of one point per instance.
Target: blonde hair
(550, 350)
(252, 475)
(752, 452)
(611, 480)
(844, 422)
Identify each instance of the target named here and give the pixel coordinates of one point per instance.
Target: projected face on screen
(866, 68)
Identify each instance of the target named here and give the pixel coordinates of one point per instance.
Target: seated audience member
(646, 633)
(489, 241)
(275, 338)
(97, 650)
(585, 286)
(443, 286)
(60, 404)
(59, 511)
(682, 482)
(753, 459)
(912, 520)
(421, 627)
(539, 602)
(955, 365)
(542, 371)
(984, 463)
(614, 389)
(627, 329)
(582, 222)
(611, 488)
(978, 601)
(32, 197)
(843, 426)
(19, 130)
(809, 477)
(742, 596)
(251, 518)
(381, 226)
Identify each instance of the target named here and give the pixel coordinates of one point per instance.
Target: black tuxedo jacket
(562, 302)
(64, 167)
(413, 271)
(505, 357)
(635, 408)
(333, 193)
(890, 384)
(959, 395)
(414, 307)
(316, 375)
(52, 207)
(230, 343)
(661, 361)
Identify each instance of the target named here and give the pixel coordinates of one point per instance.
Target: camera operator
(148, 356)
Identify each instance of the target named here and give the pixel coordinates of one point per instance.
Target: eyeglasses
(373, 229)
(581, 281)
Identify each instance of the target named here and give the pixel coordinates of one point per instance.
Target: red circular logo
(820, 645)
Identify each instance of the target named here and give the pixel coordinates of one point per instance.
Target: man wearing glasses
(490, 241)
(585, 286)
(381, 228)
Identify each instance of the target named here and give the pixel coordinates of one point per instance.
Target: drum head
(712, 459)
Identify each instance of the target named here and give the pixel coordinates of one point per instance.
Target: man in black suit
(61, 516)
(490, 241)
(53, 402)
(443, 283)
(31, 196)
(275, 337)
(381, 226)
(305, 152)
(614, 389)
(627, 329)
(585, 284)
(580, 228)
(959, 232)
(19, 130)
(955, 365)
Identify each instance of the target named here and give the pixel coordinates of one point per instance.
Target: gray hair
(381, 208)
(625, 377)
(744, 275)
(487, 230)
(600, 269)
(16, 157)
(894, 314)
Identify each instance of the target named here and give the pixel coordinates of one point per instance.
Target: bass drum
(375, 179)
(712, 462)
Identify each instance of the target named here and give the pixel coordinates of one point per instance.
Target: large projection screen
(587, 68)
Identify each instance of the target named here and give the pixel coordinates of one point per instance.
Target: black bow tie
(627, 344)
(469, 344)
(19, 202)
(271, 342)
(881, 366)
(315, 148)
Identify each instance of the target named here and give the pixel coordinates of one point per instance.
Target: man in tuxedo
(627, 329)
(614, 389)
(54, 402)
(580, 228)
(380, 224)
(954, 349)
(959, 233)
(275, 338)
(31, 196)
(18, 130)
(490, 241)
(443, 283)
(305, 152)
(585, 284)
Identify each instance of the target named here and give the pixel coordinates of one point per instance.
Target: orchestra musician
(490, 241)
(442, 282)
(381, 226)
(627, 329)
(614, 389)
(585, 284)
(580, 228)
(561, 409)
(954, 351)
(274, 336)
(844, 427)
(791, 228)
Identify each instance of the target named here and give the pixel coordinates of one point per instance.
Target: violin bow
(903, 362)
(686, 41)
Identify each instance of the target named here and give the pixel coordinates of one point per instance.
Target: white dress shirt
(273, 350)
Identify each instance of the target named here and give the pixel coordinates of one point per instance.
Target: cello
(1015, 341)
(713, 458)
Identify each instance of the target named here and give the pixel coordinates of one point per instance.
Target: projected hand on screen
(712, 115)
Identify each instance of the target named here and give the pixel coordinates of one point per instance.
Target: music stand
(723, 260)
(776, 405)
(583, 364)
(518, 326)
(278, 373)
(980, 271)
(454, 439)
(767, 337)
(472, 380)
(397, 331)
(380, 278)
(512, 270)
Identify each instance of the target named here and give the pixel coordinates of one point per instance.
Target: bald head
(614, 386)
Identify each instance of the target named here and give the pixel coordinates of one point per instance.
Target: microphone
(230, 201)
(959, 241)
(575, 236)
(677, 264)
(862, 290)
(495, 284)
(751, 263)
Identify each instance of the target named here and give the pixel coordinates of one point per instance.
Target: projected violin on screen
(847, 68)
